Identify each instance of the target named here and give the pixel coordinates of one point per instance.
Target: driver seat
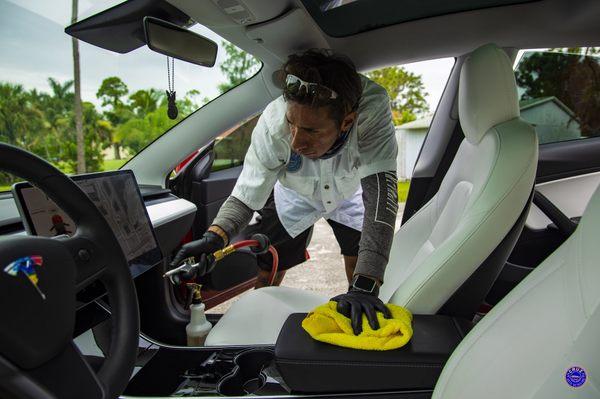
(434, 253)
(535, 342)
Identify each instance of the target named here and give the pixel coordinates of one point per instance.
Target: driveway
(324, 272)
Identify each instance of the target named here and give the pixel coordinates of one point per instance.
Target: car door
(207, 178)
(560, 96)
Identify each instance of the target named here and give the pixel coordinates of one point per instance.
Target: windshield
(123, 96)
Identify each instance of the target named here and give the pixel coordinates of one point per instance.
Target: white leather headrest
(487, 92)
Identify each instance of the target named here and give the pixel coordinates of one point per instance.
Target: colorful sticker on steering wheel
(295, 162)
(575, 376)
(26, 265)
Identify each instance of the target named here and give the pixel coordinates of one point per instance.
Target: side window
(415, 91)
(231, 146)
(559, 92)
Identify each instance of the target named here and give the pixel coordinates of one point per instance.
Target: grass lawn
(108, 164)
(403, 190)
(113, 164)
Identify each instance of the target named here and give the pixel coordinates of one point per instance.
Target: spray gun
(198, 327)
(190, 270)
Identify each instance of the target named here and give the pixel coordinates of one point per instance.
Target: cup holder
(247, 375)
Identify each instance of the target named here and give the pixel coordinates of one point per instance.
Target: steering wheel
(39, 278)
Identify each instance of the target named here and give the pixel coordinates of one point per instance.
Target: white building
(410, 137)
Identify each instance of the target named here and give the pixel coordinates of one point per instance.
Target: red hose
(272, 250)
(275, 264)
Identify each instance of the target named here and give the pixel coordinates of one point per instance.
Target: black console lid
(310, 366)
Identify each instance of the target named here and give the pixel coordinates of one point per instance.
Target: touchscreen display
(116, 195)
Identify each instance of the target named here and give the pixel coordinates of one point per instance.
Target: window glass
(559, 92)
(123, 96)
(415, 90)
(230, 147)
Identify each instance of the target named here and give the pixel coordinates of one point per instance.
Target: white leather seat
(481, 197)
(524, 347)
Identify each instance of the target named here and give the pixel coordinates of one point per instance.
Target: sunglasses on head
(294, 85)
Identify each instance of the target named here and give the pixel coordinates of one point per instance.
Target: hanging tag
(172, 110)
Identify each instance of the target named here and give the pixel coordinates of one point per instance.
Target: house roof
(534, 102)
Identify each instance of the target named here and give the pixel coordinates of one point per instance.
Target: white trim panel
(571, 195)
(164, 212)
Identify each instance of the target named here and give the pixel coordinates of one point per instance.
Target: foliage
(403, 187)
(44, 123)
(238, 67)
(231, 147)
(406, 91)
(570, 76)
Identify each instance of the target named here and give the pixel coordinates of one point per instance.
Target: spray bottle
(198, 327)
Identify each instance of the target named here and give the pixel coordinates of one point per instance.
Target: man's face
(313, 130)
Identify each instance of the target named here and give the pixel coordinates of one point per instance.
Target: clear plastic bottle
(198, 327)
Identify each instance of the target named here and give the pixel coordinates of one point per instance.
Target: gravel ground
(324, 272)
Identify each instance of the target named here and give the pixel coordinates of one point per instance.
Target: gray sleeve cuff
(233, 216)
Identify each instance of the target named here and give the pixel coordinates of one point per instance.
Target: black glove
(209, 243)
(354, 303)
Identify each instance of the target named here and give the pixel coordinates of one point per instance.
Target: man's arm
(233, 216)
(380, 198)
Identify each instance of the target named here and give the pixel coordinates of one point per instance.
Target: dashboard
(170, 219)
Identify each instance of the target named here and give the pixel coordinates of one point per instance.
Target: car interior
(495, 257)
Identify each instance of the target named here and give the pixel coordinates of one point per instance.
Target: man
(326, 148)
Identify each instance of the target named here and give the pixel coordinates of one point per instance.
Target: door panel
(570, 195)
(208, 181)
(559, 96)
(209, 194)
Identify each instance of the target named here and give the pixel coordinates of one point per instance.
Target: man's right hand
(209, 243)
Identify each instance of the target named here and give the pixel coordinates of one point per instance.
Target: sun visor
(121, 29)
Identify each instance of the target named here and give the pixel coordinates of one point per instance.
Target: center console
(301, 366)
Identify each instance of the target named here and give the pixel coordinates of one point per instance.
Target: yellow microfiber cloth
(325, 324)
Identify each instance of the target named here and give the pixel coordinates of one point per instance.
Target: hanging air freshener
(172, 110)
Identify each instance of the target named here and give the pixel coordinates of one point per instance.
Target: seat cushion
(258, 316)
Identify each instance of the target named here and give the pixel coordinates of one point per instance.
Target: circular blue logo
(295, 162)
(575, 376)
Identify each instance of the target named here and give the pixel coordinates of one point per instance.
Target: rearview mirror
(174, 41)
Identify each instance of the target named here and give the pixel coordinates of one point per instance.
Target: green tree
(144, 101)
(238, 67)
(136, 133)
(406, 91)
(93, 143)
(112, 93)
(571, 75)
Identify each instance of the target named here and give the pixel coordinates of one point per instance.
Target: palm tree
(78, 109)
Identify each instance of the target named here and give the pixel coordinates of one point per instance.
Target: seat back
(535, 342)
(481, 197)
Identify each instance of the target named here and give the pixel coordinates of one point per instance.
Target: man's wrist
(220, 232)
(364, 283)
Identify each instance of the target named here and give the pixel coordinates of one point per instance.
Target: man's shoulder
(372, 93)
(374, 113)
(274, 117)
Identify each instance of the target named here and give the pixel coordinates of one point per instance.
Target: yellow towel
(325, 324)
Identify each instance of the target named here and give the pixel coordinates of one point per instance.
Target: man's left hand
(354, 303)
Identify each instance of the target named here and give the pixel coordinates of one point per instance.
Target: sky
(34, 47)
